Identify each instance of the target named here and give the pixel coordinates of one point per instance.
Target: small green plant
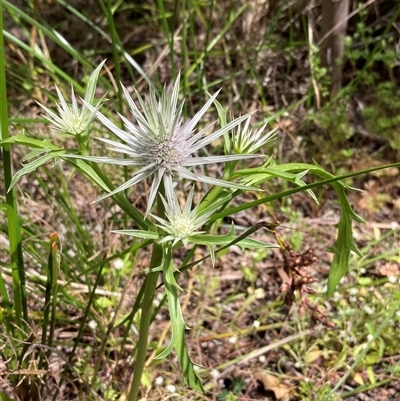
(238, 386)
(377, 55)
(319, 73)
(381, 116)
(373, 58)
(330, 116)
(309, 391)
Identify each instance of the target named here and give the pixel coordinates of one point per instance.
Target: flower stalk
(147, 310)
(145, 322)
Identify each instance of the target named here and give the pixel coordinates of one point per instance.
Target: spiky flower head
(181, 223)
(247, 140)
(71, 119)
(162, 144)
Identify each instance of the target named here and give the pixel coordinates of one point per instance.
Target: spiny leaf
(178, 325)
(28, 168)
(225, 240)
(89, 172)
(257, 176)
(92, 83)
(35, 153)
(344, 243)
(139, 234)
(22, 139)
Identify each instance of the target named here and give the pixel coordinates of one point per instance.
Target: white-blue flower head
(181, 224)
(162, 144)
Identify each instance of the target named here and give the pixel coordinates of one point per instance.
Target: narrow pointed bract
(71, 119)
(162, 144)
(181, 224)
(247, 140)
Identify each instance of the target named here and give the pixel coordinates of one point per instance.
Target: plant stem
(145, 321)
(147, 308)
(213, 193)
(20, 318)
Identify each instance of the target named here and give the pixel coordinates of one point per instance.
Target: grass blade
(13, 218)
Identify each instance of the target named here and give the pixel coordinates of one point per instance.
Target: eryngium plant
(163, 145)
(160, 144)
(70, 118)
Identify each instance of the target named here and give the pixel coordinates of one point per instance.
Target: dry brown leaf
(282, 391)
(390, 269)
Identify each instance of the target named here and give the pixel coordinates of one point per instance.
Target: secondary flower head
(247, 140)
(71, 119)
(183, 223)
(162, 144)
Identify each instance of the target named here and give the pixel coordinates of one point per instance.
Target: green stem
(83, 142)
(13, 219)
(215, 191)
(145, 321)
(147, 308)
(169, 35)
(115, 44)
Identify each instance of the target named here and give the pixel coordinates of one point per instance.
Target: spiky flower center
(182, 226)
(170, 154)
(75, 121)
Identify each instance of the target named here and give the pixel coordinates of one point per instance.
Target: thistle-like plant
(246, 140)
(71, 119)
(181, 224)
(163, 145)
